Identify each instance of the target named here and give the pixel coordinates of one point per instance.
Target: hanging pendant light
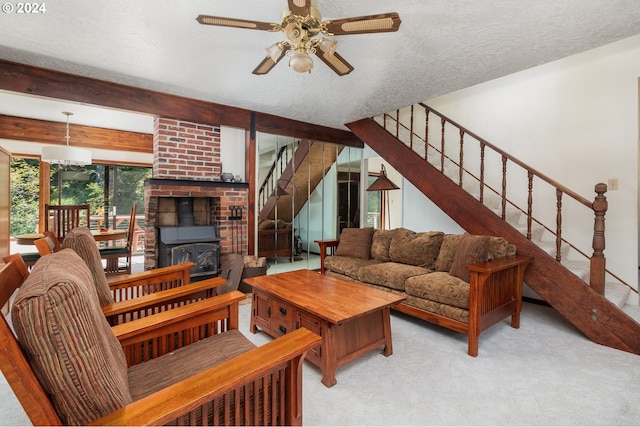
(66, 155)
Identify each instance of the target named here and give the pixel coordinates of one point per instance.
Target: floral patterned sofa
(460, 281)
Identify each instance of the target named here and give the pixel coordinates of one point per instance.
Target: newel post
(598, 261)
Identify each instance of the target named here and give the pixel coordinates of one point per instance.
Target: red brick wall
(185, 150)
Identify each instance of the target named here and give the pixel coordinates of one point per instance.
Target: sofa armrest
(285, 353)
(495, 292)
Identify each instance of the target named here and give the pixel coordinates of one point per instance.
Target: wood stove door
(206, 256)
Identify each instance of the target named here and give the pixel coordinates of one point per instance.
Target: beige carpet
(545, 373)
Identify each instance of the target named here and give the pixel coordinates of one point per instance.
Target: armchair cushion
(83, 243)
(57, 316)
(157, 374)
(355, 242)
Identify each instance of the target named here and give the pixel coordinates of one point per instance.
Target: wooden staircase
(298, 175)
(587, 309)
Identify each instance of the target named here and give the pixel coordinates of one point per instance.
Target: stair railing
(283, 158)
(442, 150)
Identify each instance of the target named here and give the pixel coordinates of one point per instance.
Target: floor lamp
(383, 184)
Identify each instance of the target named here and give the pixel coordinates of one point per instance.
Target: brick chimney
(186, 163)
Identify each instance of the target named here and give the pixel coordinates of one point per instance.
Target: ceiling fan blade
(276, 53)
(300, 7)
(386, 22)
(336, 62)
(236, 23)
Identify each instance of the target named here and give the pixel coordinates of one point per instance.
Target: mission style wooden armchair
(138, 295)
(189, 365)
(47, 244)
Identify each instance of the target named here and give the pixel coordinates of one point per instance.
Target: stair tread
(616, 293)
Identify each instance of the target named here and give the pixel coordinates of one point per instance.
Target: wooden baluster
(598, 261)
(482, 147)
(442, 121)
(504, 186)
(461, 170)
(398, 124)
(529, 204)
(558, 224)
(411, 130)
(426, 134)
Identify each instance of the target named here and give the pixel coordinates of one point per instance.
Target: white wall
(576, 121)
(232, 142)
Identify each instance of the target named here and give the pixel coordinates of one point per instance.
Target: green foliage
(75, 186)
(24, 195)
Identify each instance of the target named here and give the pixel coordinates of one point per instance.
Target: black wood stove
(189, 242)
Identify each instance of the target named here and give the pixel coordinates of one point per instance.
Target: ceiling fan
(304, 29)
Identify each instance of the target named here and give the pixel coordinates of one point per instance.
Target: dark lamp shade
(382, 183)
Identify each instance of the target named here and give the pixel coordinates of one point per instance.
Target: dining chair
(47, 244)
(62, 218)
(113, 254)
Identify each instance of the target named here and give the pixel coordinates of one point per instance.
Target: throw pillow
(355, 242)
(447, 252)
(419, 249)
(471, 249)
(380, 243)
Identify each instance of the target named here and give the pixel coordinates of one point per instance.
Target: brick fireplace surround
(186, 163)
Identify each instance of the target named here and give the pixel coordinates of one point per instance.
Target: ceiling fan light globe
(301, 62)
(294, 33)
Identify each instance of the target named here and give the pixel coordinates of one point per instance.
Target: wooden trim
(42, 82)
(46, 132)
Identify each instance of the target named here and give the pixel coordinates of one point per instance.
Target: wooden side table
(331, 244)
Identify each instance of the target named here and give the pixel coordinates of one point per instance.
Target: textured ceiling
(442, 46)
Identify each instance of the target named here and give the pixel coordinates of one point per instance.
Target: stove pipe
(185, 211)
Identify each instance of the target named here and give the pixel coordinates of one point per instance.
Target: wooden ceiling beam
(46, 132)
(31, 80)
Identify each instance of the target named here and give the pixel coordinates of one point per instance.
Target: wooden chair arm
(162, 297)
(167, 405)
(160, 323)
(151, 276)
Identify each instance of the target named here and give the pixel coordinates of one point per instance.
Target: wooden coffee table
(352, 319)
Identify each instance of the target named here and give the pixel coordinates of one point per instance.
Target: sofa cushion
(444, 310)
(83, 243)
(380, 243)
(355, 242)
(499, 247)
(347, 265)
(60, 324)
(419, 249)
(441, 287)
(471, 249)
(389, 274)
(447, 252)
